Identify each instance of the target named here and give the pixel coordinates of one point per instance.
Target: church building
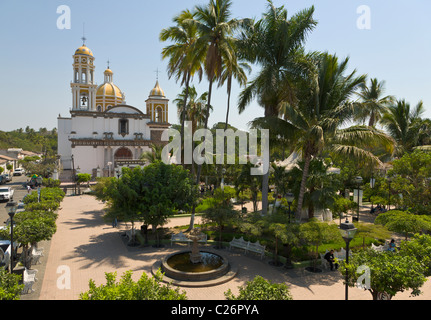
(103, 133)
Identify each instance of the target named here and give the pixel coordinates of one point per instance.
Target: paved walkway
(85, 247)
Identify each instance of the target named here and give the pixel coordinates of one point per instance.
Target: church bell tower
(83, 83)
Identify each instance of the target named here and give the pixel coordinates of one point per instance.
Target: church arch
(123, 153)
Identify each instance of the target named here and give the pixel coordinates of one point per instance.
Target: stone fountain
(196, 268)
(196, 235)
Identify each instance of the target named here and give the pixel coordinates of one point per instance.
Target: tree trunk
(298, 212)
(265, 186)
(183, 118)
(198, 174)
(228, 102)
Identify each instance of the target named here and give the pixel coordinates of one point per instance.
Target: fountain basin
(179, 267)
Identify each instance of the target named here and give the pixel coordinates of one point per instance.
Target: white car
(6, 193)
(18, 172)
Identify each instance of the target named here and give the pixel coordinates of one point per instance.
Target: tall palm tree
(195, 109)
(233, 69)
(215, 29)
(315, 123)
(373, 104)
(184, 62)
(275, 44)
(404, 124)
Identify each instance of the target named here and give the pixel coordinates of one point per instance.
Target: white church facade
(103, 132)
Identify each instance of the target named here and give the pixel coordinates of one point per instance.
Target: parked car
(6, 193)
(2, 179)
(18, 172)
(8, 177)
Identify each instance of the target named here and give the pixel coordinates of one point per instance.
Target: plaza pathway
(84, 248)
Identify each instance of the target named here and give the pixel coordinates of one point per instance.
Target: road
(19, 193)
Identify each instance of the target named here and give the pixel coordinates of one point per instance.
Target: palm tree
(372, 104)
(404, 125)
(184, 62)
(153, 155)
(216, 44)
(314, 124)
(275, 44)
(233, 69)
(195, 109)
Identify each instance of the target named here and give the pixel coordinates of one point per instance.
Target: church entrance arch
(123, 154)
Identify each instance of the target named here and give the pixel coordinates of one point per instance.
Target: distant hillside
(29, 139)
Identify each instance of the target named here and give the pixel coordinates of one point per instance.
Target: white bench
(380, 248)
(130, 233)
(256, 247)
(238, 243)
(339, 255)
(181, 237)
(29, 280)
(247, 246)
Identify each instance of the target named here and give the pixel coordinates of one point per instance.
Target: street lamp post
(109, 168)
(11, 209)
(358, 182)
(389, 191)
(348, 231)
(290, 197)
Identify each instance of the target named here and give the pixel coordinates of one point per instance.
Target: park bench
(380, 248)
(339, 255)
(129, 234)
(181, 237)
(257, 248)
(247, 246)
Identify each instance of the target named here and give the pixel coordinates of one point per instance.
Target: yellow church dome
(84, 50)
(109, 89)
(157, 91)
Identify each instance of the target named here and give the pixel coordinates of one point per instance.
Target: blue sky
(36, 56)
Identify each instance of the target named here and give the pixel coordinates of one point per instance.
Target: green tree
(150, 194)
(314, 124)
(183, 61)
(390, 272)
(274, 43)
(261, 289)
(220, 211)
(146, 288)
(419, 247)
(31, 228)
(373, 104)
(411, 175)
(10, 289)
(316, 233)
(403, 222)
(216, 43)
(403, 123)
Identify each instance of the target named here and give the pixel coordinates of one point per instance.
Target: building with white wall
(103, 132)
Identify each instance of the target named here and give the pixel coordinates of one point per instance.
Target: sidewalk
(85, 247)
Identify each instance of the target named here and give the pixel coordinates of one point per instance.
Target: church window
(84, 101)
(123, 127)
(159, 115)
